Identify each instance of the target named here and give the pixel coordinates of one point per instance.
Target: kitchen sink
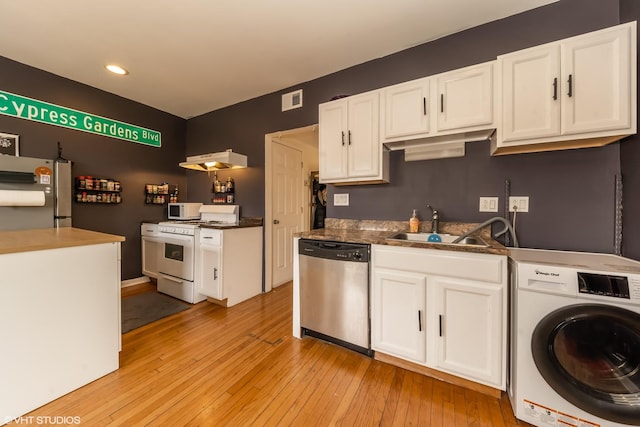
(445, 239)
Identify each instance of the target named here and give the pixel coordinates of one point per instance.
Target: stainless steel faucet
(435, 219)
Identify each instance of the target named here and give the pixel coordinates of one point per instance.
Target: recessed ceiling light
(116, 69)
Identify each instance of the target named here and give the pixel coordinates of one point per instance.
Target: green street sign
(43, 112)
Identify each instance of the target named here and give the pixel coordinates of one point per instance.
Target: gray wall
(571, 192)
(132, 164)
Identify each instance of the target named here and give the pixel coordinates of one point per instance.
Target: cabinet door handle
(349, 137)
(440, 324)
(555, 89)
(343, 138)
(570, 81)
(275, 221)
(442, 102)
(215, 273)
(424, 105)
(420, 320)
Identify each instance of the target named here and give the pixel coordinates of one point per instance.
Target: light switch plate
(341, 199)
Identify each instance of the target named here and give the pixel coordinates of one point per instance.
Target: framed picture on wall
(9, 144)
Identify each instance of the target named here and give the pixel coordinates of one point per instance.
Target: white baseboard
(136, 281)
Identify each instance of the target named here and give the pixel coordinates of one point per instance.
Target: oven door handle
(172, 279)
(175, 238)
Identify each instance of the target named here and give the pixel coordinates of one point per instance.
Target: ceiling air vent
(292, 100)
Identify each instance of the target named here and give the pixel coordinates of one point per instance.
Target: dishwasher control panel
(352, 252)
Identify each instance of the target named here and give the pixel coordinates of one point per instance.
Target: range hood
(216, 161)
(438, 147)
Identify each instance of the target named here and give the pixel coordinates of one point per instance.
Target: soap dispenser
(414, 223)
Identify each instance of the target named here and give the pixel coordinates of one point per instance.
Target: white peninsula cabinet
(575, 92)
(350, 151)
(440, 309)
(457, 101)
(60, 314)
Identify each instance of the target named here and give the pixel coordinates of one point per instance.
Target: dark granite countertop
(244, 223)
(377, 232)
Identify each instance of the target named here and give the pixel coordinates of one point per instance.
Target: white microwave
(183, 211)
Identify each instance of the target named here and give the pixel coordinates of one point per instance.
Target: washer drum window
(590, 355)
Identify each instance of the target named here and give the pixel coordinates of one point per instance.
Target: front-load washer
(574, 338)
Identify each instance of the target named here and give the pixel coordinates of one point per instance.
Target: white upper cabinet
(597, 81)
(406, 110)
(332, 140)
(459, 101)
(465, 98)
(577, 92)
(530, 85)
(349, 141)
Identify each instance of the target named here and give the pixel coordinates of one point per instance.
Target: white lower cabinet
(469, 328)
(230, 264)
(211, 282)
(150, 248)
(399, 303)
(441, 309)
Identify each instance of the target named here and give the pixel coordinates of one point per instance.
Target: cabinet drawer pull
(424, 105)
(420, 320)
(440, 324)
(570, 81)
(555, 89)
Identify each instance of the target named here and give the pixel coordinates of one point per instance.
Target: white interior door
(288, 211)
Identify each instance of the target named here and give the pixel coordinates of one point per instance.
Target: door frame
(291, 138)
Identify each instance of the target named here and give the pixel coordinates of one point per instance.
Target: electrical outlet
(341, 199)
(488, 204)
(521, 203)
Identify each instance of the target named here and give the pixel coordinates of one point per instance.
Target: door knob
(275, 221)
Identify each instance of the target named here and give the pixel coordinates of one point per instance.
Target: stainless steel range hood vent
(438, 147)
(216, 161)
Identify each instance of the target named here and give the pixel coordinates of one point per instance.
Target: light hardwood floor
(240, 366)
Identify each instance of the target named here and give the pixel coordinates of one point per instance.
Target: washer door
(590, 355)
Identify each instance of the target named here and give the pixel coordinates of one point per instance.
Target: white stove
(179, 263)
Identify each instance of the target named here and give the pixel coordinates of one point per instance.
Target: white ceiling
(189, 57)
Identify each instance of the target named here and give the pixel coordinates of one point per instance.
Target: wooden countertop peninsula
(14, 241)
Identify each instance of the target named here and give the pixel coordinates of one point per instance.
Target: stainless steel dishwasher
(334, 292)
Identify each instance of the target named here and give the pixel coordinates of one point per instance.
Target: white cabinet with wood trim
(443, 310)
(577, 92)
(459, 101)
(349, 141)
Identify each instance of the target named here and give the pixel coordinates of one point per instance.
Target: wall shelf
(97, 190)
(160, 194)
